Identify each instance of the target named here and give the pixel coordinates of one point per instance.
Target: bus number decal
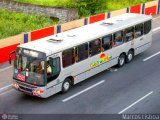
(21, 77)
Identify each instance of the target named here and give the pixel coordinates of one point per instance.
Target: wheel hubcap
(130, 57)
(66, 85)
(121, 61)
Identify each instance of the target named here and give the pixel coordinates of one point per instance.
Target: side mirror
(10, 56)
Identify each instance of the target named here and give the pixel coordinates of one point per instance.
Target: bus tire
(66, 85)
(121, 60)
(130, 56)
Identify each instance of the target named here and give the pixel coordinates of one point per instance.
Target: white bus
(55, 63)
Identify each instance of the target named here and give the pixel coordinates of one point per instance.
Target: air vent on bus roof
(107, 23)
(119, 20)
(71, 35)
(55, 40)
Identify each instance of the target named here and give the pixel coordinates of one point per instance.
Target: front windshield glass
(29, 69)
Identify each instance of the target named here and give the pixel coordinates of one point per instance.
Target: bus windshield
(29, 69)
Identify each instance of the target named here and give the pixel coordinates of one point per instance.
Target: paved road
(134, 88)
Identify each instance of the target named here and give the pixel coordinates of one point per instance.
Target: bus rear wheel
(121, 60)
(66, 85)
(130, 56)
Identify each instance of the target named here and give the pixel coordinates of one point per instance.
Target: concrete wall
(63, 14)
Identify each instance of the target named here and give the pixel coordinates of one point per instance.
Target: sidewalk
(6, 72)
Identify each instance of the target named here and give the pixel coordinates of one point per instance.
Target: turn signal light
(16, 85)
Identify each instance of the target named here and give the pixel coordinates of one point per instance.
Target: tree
(90, 7)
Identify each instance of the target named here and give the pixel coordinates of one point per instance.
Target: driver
(49, 69)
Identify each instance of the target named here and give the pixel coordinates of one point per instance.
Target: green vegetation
(118, 4)
(53, 3)
(87, 7)
(12, 23)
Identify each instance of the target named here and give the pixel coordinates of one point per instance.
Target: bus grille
(25, 89)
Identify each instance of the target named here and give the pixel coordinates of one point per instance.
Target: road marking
(151, 56)
(83, 91)
(5, 88)
(6, 92)
(135, 102)
(1, 70)
(156, 29)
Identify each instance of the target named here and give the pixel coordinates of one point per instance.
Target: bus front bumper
(30, 89)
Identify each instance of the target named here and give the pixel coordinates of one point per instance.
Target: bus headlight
(38, 92)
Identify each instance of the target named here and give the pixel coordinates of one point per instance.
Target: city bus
(54, 64)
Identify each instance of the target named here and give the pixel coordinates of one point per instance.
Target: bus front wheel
(66, 85)
(121, 60)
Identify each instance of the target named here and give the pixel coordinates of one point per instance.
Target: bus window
(81, 52)
(68, 57)
(53, 69)
(118, 38)
(147, 27)
(138, 30)
(128, 34)
(106, 42)
(95, 47)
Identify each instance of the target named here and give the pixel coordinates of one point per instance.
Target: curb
(8, 87)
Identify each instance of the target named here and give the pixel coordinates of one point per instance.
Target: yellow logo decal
(103, 58)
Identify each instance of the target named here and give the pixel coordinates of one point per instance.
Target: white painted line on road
(151, 56)
(5, 88)
(6, 92)
(83, 91)
(135, 102)
(156, 29)
(2, 70)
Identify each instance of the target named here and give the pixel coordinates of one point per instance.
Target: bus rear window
(147, 27)
(68, 57)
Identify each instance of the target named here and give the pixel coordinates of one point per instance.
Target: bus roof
(61, 41)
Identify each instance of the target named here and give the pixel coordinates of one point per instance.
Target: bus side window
(106, 42)
(129, 34)
(138, 30)
(81, 52)
(68, 57)
(95, 47)
(118, 38)
(53, 69)
(147, 27)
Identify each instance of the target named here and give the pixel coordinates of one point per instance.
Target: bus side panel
(93, 67)
(143, 43)
(51, 88)
(76, 70)
(80, 69)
